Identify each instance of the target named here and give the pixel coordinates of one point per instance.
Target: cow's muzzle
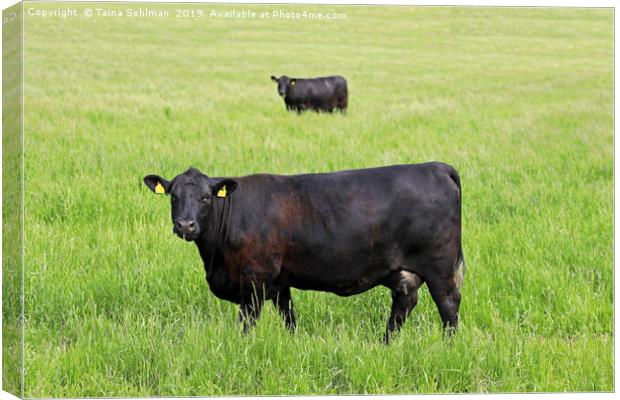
(186, 229)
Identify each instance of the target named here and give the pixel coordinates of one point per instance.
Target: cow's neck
(215, 236)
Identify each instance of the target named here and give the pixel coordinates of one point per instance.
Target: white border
(513, 3)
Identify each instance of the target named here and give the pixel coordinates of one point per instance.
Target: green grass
(518, 100)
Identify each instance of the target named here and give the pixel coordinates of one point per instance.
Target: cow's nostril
(185, 225)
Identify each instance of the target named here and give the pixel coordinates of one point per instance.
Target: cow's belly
(342, 287)
(350, 258)
(340, 268)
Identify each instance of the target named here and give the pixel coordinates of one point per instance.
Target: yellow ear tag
(159, 189)
(222, 192)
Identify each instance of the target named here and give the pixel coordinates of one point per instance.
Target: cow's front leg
(249, 312)
(285, 305)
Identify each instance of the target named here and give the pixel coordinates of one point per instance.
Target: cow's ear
(273, 78)
(157, 184)
(293, 82)
(224, 187)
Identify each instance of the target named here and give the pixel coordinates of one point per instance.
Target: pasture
(519, 100)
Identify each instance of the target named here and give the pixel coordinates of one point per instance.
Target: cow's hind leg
(404, 285)
(285, 306)
(342, 104)
(447, 296)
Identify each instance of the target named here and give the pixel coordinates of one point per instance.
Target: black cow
(318, 94)
(343, 232)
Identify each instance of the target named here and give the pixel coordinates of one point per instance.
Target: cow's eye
(173, 196)
(206, 198)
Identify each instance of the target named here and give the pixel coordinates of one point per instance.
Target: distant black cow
(344, 232)
(318, 94)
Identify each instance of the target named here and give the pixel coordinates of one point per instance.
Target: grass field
(518, 100)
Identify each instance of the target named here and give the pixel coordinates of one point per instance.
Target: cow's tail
(459, 266)
(459, 273)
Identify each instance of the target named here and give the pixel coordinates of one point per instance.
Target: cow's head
(193, 196)
(284, 84)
